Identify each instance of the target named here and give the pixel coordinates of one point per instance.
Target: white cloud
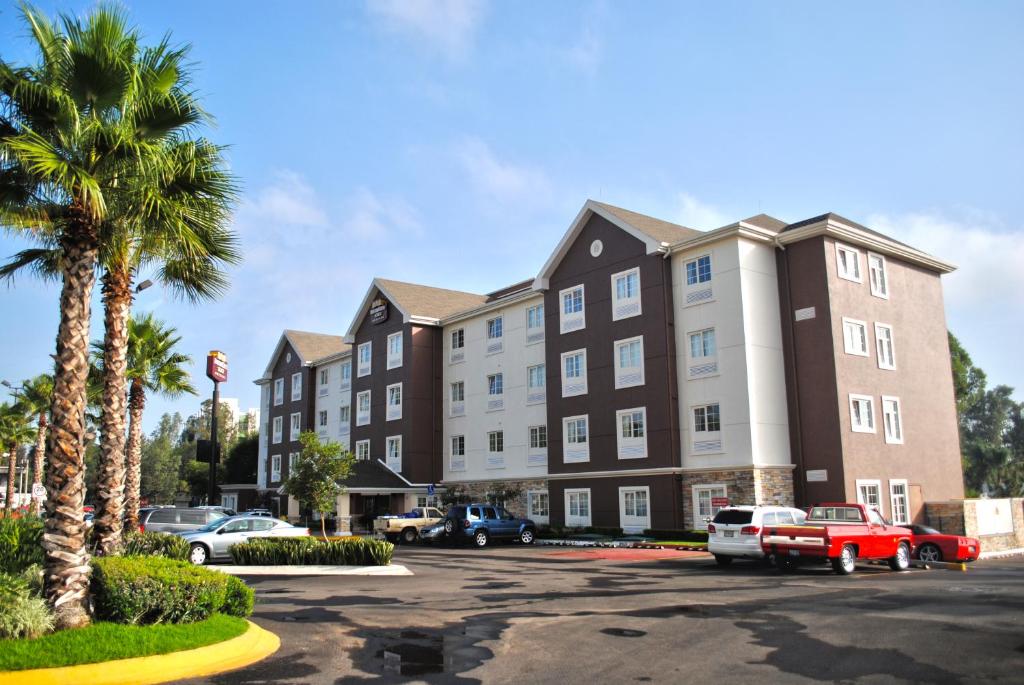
(693, 213)
(288, 201)
(502, 180)
(370, 217)
(587, 52)
(448, 26)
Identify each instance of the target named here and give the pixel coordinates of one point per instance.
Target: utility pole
(216, 371)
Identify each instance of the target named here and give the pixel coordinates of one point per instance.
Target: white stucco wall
(332, 401)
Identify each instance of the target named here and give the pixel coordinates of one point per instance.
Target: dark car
(482, 523)
(177, 520)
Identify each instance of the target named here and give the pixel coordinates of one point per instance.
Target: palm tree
(37, 395)
(15, 431)
(153, 366)
(77, 130)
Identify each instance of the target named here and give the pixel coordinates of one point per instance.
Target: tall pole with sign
(216, 371)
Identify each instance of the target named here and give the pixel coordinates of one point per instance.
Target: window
(577, 507)
(325, 379)
(848, 263)
(323, 418)
(898, 502)
(275, 468)
(574, 373)
(458, 406)
(424, 501)
(703, 359)
(363, 450)
(535, 393)
(296, 426)
(495, 392)
(707, 429)
(363, 408)
(458, 352)
(704, 507)
(293, 461)
(538, 504)
(538, 437)
(877, 274)
(632, 433)
(535, 324)
(365, 359)
(885, 346)
(346, 375)
(458, 453)
(496, 449)
(495, 333)
(626, 294)
(394, 452)
(629, 362)
(278, 428)
(572, 316)
(855, 337)
(296, 386)
(634, 514)
(577, 445)
(394, 409)
(869, 494)
(893, 420)
(698, 270)
(394, 350)
(862, 414)
(344, 417)
(278, 391)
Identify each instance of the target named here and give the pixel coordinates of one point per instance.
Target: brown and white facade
(650, 372)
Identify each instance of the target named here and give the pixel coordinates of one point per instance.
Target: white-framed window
(869, 493)
(574, 373)
(634, 509)
(423, 501)
(458, 398)
(278, 391)
(537, 446)
(495, 392)
(325, 381)
(899, 506)
(363, 408)
(575, 430)
(394, 398)
(344, 420)
(698, 270)
(892, 419)
(855, 337)
(572, 314)
(394, 350)
(703, 354)
(848, 263)
(535, 393)
(862, 413)
(296, 386)
(538, 505)
(707, 428)
(293, 461)
(365, 359)
(296, 426)
(878, 276)
(495, 335)
(323, 418)
(629, 362)
(458, 350)
(632, 433)
(393, 450)
(535, 324)
(577, 507)
(457, 456)
(275, 468)
(496, 449)
(885, 346)
(278, 429)
(346, 375)
(626, 294)
(363, 450)
(704, 507)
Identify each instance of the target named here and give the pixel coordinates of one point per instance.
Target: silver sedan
(212, 541)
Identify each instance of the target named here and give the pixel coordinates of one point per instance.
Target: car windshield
(212, 525)
(733, 516)
(924, 530)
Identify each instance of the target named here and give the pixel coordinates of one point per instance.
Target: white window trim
(538, 518)
(359, 444)
(395, 362)
(583, 366)
(889, 439)
(453, 403)
(866, 352)
(634, 528)
(388, 441)
(622, 442)
(360, 370)
(536, 394)
(698, 522)
(906, 500)
(885, 272)
(874, 420)
(346, 382)
(275, 473)
(296, 386)
(388, 416)
(277, 430)
(883, 364)
(619, 384)
(456, 355)
(706, 435)
(535, 329)
(616, 302)
(870, 481)
(452, 455)
(582, 315)
(369, 409)
(839, 264)
(278, 396)
(292, 435)
(579, 521)
(495, 345)
(565, 439)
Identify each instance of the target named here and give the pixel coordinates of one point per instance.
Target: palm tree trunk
(117, 302)
(39, 458)
(12, 466)
(66, 572)
(136, 404)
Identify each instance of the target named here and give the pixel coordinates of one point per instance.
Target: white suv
(736, 531)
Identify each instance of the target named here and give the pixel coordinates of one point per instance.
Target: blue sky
(452, 143)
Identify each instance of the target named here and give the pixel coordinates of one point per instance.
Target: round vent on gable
(595, 248)
(288, 358)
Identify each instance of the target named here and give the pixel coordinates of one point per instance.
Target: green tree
(242, 461)
(161, 461)
(317, 478)
(15, 430)
(37, 396)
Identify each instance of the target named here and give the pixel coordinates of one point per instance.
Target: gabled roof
(417, 303)
(765, 221)
(662, 231)
(309, 346)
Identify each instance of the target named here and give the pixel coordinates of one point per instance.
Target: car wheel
(449, 526)
(527, 537)
(846, 562)
(929, 552)
(409, 536)
(901, 561)
(197, 554)
(723, 559)
(480, 539)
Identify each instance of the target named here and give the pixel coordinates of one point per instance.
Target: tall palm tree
(37, 395)
(77, 129)
(15, 430)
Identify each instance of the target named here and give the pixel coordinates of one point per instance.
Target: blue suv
(482, 523)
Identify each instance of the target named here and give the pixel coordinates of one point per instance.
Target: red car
(931, 545)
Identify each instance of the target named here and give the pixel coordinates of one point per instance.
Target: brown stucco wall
(283, 368)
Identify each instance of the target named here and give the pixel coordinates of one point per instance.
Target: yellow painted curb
(253, 645)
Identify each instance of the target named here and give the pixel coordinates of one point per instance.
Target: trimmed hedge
(680, 535)
(21, 543)
(138, 544)
(312, 551)
(145, 590)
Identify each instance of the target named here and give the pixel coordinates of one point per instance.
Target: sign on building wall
(817, 476)
(995, 516)
(379, 310)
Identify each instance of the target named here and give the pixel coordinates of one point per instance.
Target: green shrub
(680, 535)
(155, 590)
(21, 613)
(21, 543)
(311, 550)
(155, 544)
(240, 598)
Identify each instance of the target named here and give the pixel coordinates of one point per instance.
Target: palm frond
(44, 263)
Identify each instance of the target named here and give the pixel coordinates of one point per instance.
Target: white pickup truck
(406, 527)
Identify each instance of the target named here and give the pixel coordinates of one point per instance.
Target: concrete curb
(618, 545)
(1002, 553)
(253, 645)
(390, 570)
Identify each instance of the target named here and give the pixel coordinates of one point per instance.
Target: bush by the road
(239, 598)
(154, 544)
(22, 613)
(312, 551)
(21, 543)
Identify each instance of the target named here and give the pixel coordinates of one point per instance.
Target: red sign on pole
(217, 366)
(719, 502)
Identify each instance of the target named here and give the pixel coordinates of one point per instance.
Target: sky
(453, 142)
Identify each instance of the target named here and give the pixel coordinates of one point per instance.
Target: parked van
(176, 520)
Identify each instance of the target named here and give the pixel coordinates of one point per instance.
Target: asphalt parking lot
(539, 614)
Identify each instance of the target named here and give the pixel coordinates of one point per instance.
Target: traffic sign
(38, 491)
(430, 490)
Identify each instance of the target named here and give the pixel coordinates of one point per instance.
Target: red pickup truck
(838, 533)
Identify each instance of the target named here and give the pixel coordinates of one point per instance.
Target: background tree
(161, 461)
(36, 396)
(241, 463)
(317, 479)
(15, 430)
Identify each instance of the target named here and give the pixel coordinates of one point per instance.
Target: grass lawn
(108, 641)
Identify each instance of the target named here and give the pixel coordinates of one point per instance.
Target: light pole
(216, 371)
